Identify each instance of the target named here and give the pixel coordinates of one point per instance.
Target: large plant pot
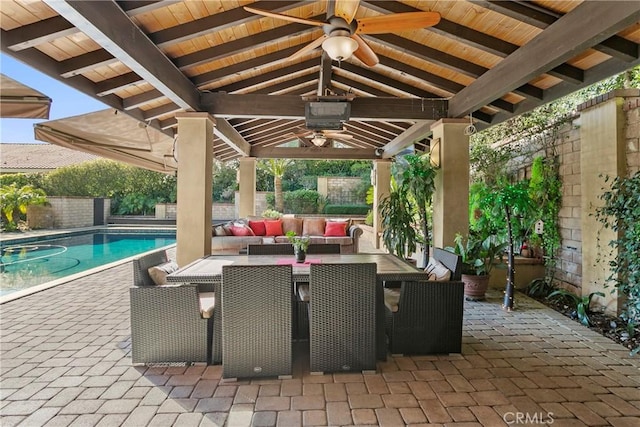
(475, 286)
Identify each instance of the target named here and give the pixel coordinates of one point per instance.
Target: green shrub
(22, 179)
(301, 201)
(14, 201)
(346, 209)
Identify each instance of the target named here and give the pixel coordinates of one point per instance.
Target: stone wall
(340, 190)
(568, 143)
(65, 212)
(631, 109)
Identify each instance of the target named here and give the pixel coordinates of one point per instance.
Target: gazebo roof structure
(488, 59)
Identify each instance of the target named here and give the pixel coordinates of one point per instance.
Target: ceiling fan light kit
(339, 47)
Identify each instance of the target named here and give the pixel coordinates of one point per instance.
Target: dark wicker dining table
(209, 268)
(207, 271)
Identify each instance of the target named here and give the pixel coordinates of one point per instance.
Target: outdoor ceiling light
(339, 46)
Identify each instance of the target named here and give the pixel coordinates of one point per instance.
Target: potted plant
(478, 256)
(300, 245)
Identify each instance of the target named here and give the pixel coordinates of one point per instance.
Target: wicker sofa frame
(166, 324)
(256, 321)
(429, 317)
(342, 312)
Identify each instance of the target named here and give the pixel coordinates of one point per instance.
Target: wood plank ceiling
(151, 59)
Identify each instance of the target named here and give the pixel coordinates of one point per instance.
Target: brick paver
(65, 360)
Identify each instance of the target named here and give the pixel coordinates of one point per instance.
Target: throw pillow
(258, 228)
(347, 220)
(159, 273)
(241, 230)
(437, 271)
(335, 229)
(220, 231)
(313, 227)
(273, 228)
(292, 224)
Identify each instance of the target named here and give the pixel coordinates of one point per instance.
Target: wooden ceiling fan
(321, 138)
(342, 29)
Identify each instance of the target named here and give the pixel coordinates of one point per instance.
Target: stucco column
(602, 152)
(451, 197)
(195, 170)
(381, 175)
(247, 190)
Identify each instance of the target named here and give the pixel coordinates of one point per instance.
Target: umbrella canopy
(20, 101)
(111, 134)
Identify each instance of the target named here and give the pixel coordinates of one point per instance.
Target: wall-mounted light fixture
(434, 153)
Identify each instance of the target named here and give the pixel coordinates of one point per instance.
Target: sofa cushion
(344, 240)
(258, 227)
(335, 229)
(238, 229)
(313, 227)
(220, 231)
(159, 273)
(273, 227)
(207, 304)
(347, 220)
(292, 224)
(437, 271)
(391, 299)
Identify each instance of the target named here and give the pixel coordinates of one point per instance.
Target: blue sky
(66, 100)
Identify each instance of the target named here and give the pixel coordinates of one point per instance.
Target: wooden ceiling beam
(387, 81)
(540, 17)
(231, 137)
(444, 60)
(257, 63)
(162, 110)
(355, 84)
(406, 138)
(125, 41)
(584, 26)
(326, 71)
(318, 153)
(242, 44)
(217, 22)
(136, 101)
(309, 65)
(290, 106)
(50, 29)
(474, 38)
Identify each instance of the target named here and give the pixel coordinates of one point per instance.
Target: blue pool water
(31, 263)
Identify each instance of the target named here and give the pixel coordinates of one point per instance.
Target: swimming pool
(31, 262)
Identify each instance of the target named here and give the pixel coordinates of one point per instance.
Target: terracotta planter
(475, 286)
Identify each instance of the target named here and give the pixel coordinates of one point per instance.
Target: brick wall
(71, 212)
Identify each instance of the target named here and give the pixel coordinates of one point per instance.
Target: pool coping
(70, 232)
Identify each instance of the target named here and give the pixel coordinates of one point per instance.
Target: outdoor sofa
(234, 236)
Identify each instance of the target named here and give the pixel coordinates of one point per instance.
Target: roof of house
(38, 157)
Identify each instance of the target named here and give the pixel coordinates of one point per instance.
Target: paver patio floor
(65, 360)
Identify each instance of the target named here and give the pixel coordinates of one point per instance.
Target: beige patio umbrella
(20, 101)
(113, 135)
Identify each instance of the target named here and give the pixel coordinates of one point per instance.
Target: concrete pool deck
(65, 361)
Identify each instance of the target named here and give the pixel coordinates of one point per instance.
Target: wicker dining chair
(256, 321)
(428, 318)
(342, 311)
(167, 322)
(323, 248)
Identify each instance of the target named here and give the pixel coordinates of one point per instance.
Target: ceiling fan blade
(364, 52)
(338, 135)
(397, 22)
(346, 9)
(308, 48)
(285, 17)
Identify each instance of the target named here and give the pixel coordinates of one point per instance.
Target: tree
(512, 201)
(14, 201)
(277, 168)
